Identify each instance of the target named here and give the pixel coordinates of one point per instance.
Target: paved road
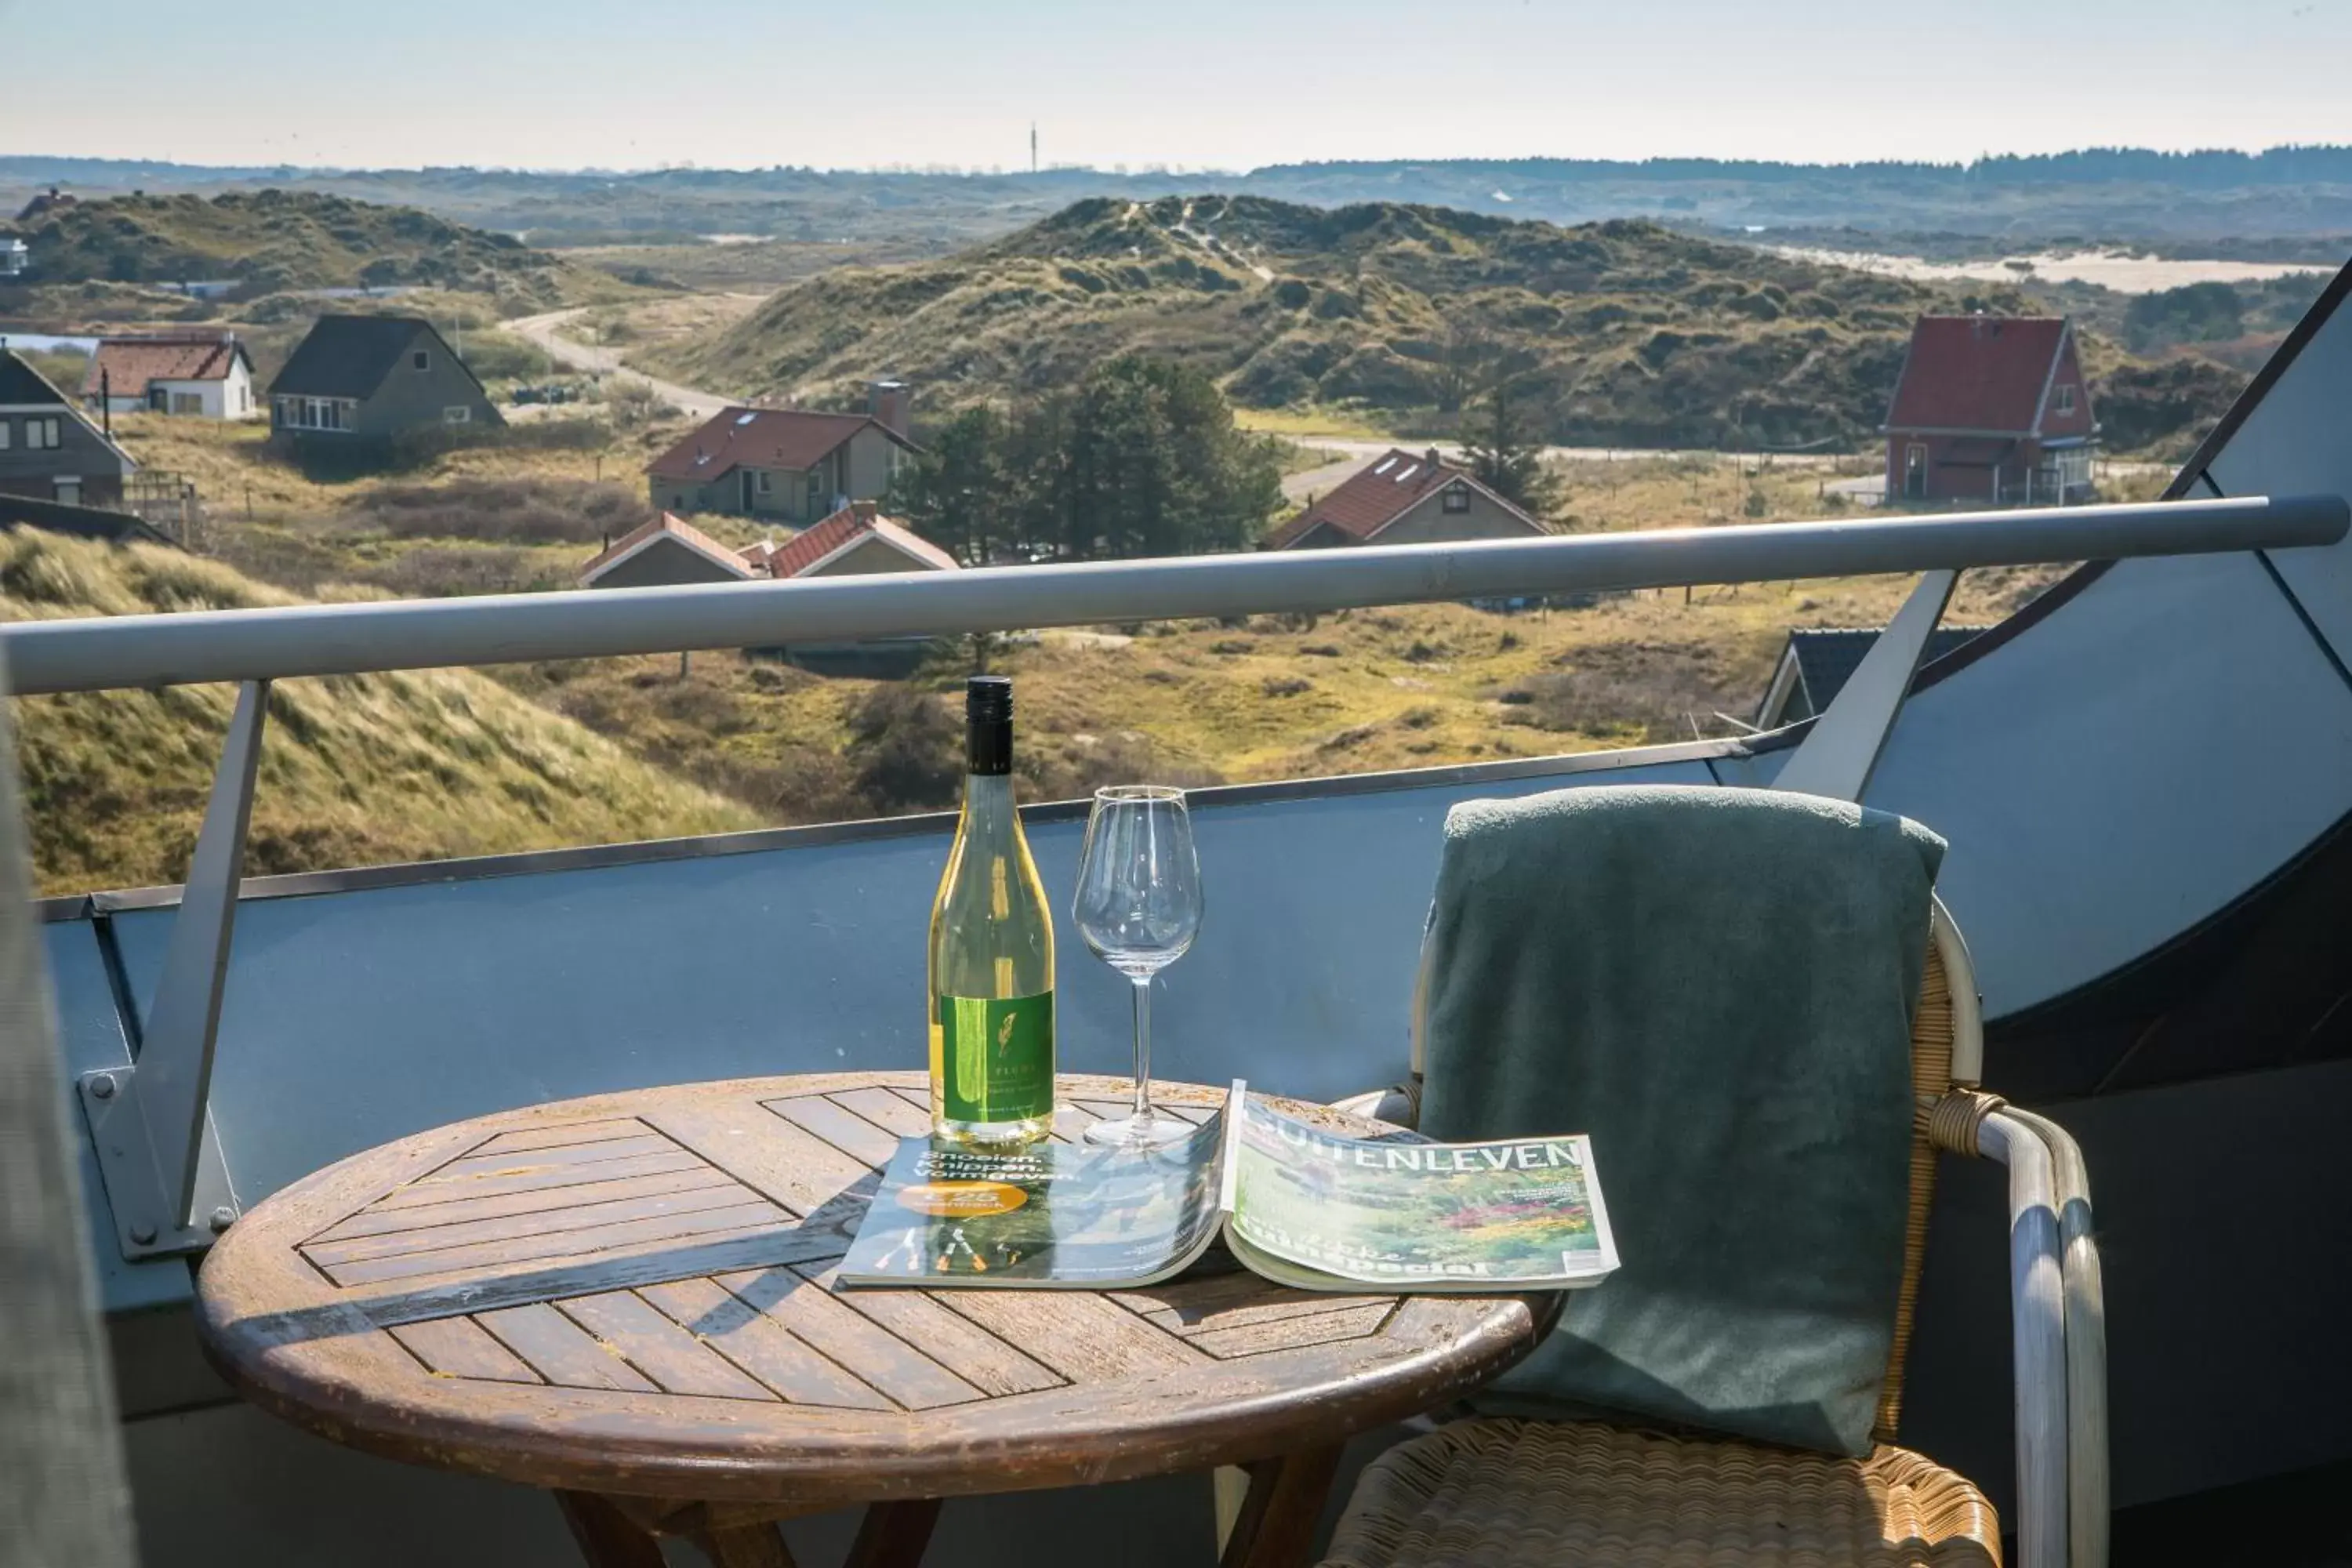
(545, 331)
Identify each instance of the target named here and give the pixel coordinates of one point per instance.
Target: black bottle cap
(988, 724)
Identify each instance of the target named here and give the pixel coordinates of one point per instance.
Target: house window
(69, 490)
(187, 403)
(2065, 397)
(315, 412)
(1457, 496)
(761, 479)
(41, 434)
(421, 360)
(7, 433)
(456, 414)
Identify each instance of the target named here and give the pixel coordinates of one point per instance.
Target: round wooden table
(626, 1299)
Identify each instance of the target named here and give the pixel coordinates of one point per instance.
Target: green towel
(1717, 986)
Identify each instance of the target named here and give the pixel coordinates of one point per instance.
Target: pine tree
(1506, 456)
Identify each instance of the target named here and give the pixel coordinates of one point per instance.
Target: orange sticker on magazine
(961, 1198)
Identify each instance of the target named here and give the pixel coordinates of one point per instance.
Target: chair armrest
(1399, 1105)
(1973, 1123)
(2086, 1346)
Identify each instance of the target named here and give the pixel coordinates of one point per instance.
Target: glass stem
(1142, 1045)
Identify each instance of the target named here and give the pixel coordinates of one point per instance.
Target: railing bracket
(136, 1190)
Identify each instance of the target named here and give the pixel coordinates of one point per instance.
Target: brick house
(785, 465)
(1990, 408)
(1404, 498)
(49, 449)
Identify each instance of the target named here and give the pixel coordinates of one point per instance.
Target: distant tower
(1033, 146)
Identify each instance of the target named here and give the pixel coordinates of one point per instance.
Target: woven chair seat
(1504, 1494)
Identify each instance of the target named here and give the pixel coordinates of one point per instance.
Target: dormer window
(2065, 397)
(421, 360)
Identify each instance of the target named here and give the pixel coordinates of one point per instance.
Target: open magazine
(1291, 1202)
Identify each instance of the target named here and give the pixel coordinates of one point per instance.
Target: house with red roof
(208, 374)
(1990, 408)
(1404, 498)
(785, 465)
(856, 541)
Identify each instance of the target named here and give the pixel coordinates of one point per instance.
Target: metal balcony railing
(165, 1176)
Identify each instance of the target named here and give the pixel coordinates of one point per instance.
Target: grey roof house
(365, 380)
(49, 450)
(1819, 660)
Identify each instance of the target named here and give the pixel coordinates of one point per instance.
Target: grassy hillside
(274, 240)
(355, 770)
(1629, 333)
(1273, 697)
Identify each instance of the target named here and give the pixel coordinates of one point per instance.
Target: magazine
(1289, 1201)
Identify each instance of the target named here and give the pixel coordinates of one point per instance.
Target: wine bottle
(992, 958)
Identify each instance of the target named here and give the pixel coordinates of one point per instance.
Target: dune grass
(355, 770)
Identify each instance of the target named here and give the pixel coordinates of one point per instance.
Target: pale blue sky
(1219, 83)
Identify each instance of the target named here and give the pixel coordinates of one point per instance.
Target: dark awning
(1977, 452)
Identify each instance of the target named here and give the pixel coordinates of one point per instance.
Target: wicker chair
(1515, 1494)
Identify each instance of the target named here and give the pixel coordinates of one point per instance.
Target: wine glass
(1137, 906)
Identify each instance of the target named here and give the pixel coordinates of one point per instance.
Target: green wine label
(996, 1056)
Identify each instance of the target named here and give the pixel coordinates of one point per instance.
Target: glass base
(1153, 1130)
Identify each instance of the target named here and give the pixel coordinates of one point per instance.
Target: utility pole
(1033, 146)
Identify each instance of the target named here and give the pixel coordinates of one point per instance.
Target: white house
(15, 258)
(205, 374)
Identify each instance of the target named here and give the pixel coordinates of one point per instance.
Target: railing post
(152, 1122)
(1837, 758)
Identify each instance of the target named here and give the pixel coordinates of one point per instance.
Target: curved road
(571, 353)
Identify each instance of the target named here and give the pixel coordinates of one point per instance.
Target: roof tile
(820, 540)
(1977, 373)
(794, 439)
(1379, 493)
(128, 364)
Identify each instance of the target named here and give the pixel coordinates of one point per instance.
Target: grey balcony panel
(355, 1018)
(2296, 436)
(2121, 769)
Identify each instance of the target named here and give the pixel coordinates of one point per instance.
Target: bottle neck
(988, 748)
(988, 798)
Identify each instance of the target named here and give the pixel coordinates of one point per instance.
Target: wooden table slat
(560, 1350)
(839, 1126)
(457, 1211)
(650, 1341)
(513, 1161)
(979, 1357)
(1290, 1333)
(886, 1111)
(762, 1346)
(736, 1217)
(564, 1133)
(593, 1212)
(1084, 1337)
(459, 1347)
(417, 1195)
(770, 1155)
(881, 1358)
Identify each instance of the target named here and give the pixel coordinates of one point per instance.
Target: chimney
(1431, 458)
(864, 512)
(888, 401)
